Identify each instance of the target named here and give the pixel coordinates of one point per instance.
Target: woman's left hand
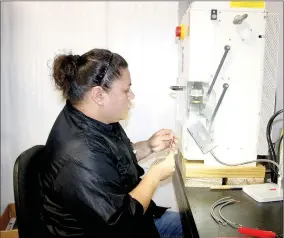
(162, 140)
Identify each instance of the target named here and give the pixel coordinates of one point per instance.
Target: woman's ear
(98, 95)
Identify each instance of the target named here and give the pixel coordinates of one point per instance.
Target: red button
(178, 31)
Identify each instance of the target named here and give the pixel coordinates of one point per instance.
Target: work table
(195, 204)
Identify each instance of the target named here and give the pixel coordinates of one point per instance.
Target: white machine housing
(250, 70)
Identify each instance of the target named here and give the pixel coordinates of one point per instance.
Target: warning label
(247, 4)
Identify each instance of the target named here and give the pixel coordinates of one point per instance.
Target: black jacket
(88, 170)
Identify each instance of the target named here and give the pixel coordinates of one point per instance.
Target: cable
(218, 220)
(224, 201)
(279, 148)
(271, 149)
(272, 153)
(277, 141)
(212, 209)
(247, 162)
(232, 224)
(214, 205)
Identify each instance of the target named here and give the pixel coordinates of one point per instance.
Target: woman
(90, 178)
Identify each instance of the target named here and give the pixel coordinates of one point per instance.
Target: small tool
(228, 187)
(256, 232)
(171, 143)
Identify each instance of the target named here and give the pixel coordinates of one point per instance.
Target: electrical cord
(271, 149)
(232, 224)
(247, 162)
(278, 141)
(225, 201)
(255, 232)
(214, 205)
(273, 159)
(212, 209)
(269, 127)
(279, 146)
(220, 201)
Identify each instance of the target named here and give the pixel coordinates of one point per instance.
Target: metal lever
(177, 88)
(239, 19)
(227, 48)
(225, 87)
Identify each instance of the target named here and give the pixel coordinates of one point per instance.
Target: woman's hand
(162, 140)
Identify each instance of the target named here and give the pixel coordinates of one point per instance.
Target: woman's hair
(74, 75)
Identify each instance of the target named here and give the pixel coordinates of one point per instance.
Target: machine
(228, 62)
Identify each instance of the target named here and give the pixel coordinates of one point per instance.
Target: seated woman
(90, 177)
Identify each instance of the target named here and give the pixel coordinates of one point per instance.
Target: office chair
(26, 192)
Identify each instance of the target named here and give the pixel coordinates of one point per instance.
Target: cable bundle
(241, 229)
(224, 201)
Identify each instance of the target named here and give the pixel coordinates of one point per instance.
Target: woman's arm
(159, 141)
(142, 149)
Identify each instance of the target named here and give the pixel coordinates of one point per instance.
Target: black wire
(278, 151)
(271, 149)
(272, 168)
(273, 171)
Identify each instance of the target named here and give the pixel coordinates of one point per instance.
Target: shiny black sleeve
(93, 188)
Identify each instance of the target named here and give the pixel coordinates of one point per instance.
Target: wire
(279, 148)
(225, 201)
(215, 204)
(272, 153)
(232, 224)
(277, 141)
(247, 162)
(271, 149)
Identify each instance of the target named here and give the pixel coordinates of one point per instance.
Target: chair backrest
(26, 191)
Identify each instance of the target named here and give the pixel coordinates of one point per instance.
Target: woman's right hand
(164, 167)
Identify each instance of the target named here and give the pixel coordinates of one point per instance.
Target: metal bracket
(201, 137)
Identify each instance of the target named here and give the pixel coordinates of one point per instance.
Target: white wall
(33, 32)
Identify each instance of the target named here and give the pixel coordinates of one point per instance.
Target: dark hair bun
(75, 75)
(65, 72)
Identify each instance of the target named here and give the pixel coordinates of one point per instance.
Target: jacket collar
(88, 122)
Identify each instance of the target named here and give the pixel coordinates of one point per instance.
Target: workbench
(195, 203)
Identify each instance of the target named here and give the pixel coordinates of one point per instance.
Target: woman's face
(118, 99)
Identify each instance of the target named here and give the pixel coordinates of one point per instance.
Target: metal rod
(225, 87)
(227, 48)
